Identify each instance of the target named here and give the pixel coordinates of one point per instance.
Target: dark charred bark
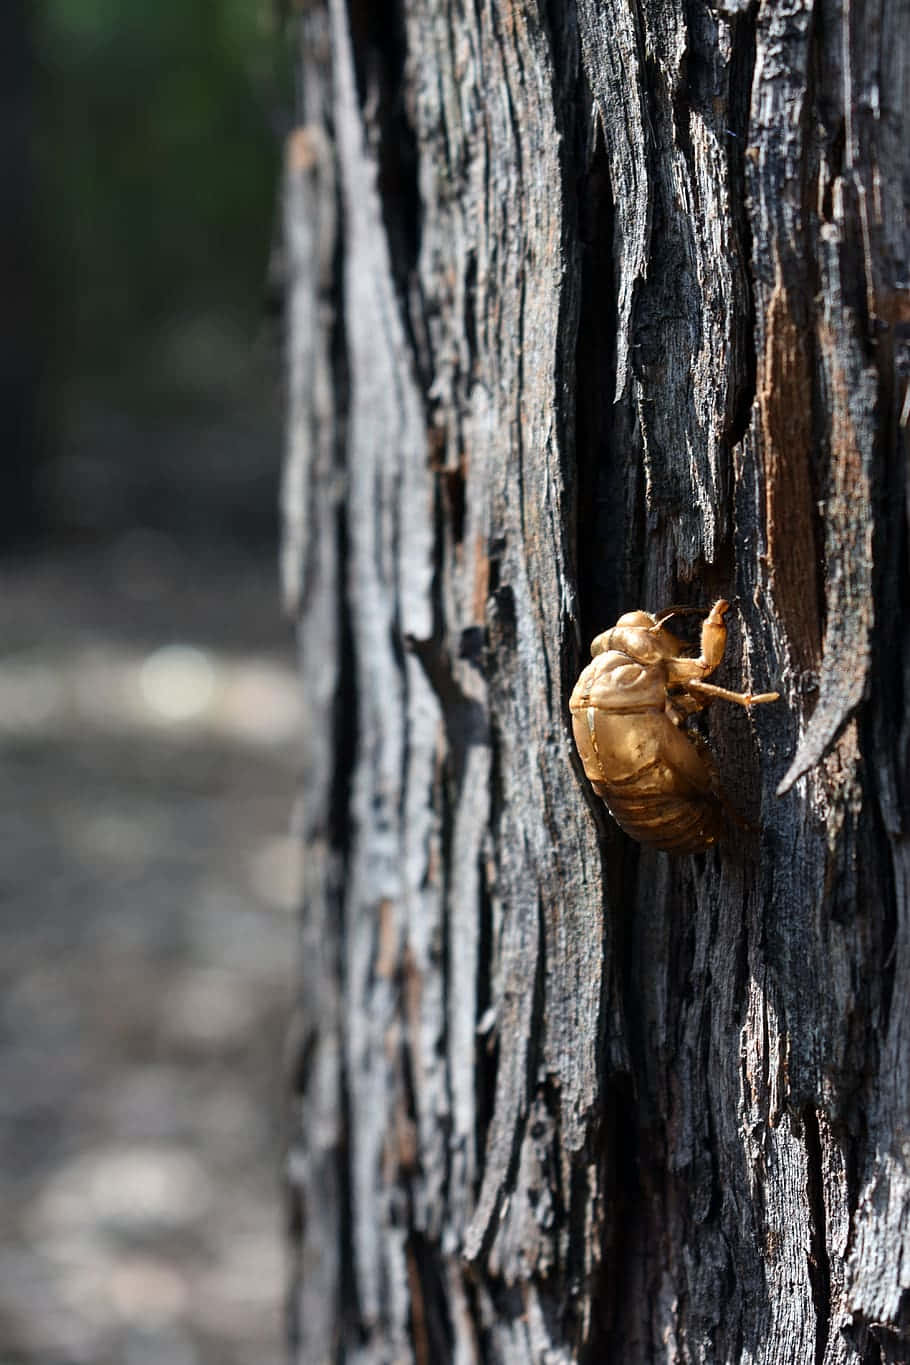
(595, 307)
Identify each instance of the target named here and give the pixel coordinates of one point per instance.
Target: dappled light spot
(119, 1192)
(178, 682)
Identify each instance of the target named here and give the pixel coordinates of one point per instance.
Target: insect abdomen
(655, 781)
(672, 823)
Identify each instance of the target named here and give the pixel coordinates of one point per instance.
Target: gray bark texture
(593, 307)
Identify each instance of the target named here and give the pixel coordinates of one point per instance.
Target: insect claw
(677, 611)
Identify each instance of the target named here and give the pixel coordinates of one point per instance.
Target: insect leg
(681, 705)
(741, 698)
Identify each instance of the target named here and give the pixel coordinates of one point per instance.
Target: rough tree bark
(596, 306)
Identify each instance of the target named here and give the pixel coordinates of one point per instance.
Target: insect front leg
(692, 672)
(713, 638)
(713, 641)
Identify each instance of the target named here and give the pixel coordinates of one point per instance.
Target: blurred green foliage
(157, 146)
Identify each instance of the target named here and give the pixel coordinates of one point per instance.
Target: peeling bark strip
(595, 307)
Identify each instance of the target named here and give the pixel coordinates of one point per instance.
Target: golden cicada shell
(629, 712)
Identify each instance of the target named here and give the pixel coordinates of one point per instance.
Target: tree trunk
(596, 307)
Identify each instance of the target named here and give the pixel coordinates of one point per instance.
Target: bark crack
(345, 712)
(743, 31)
(600, 501)
(379, 45)
(819, 1263)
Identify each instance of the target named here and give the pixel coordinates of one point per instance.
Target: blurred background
(149, 709)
